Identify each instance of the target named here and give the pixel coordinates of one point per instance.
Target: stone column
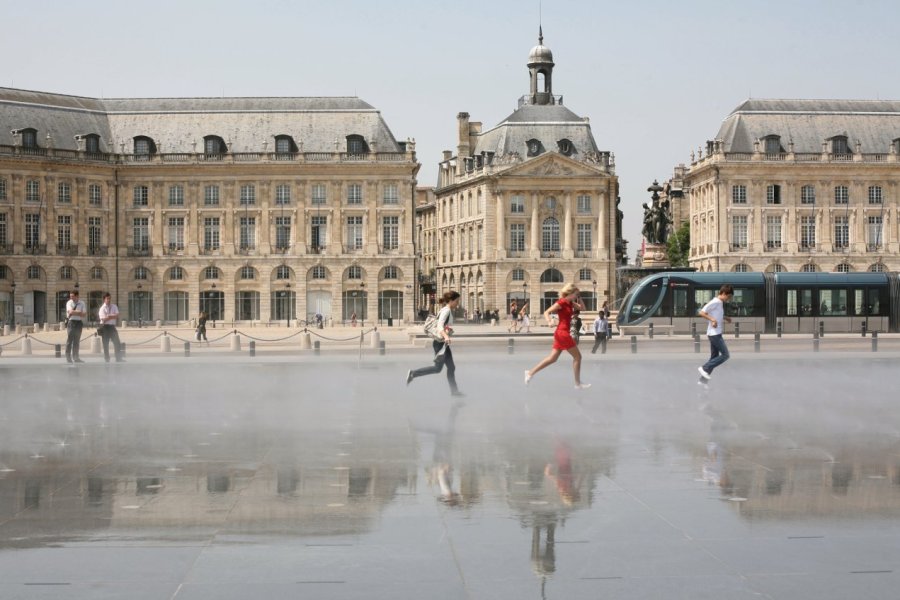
(568, 248)
(500, 211)
(534, 248)
(602, 226)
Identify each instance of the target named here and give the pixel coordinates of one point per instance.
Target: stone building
(251, 209)
(526, 205)
(798, 185)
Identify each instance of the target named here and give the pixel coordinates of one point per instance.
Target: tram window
(644, 300)
(874, 304)
(859, 304)
(833, 303)
(743, 303)
(679, 302)
(798, 303)
(701, 297)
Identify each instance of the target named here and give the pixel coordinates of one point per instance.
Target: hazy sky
(656, 78)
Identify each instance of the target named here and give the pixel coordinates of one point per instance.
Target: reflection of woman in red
(562, 474)
(569, 300)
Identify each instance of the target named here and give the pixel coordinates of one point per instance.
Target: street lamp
(362, 314)
(594, 282)
(286, 304)
(140, 295)
(12, 305)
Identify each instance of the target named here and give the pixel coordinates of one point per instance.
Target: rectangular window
(739, 194)
(3, 230)
(64, 232)
(282, 194)
(841, 232)
(354, 193)
(584, 205)
(95, 195)
(517, 205)
(391, 232)
(64, 193)
(248, 195)
(141, 195)
(32, 230)
(94, 232)
(248, 233)
(833, 303)
(584, 235)
(32, 190)
(2, 189)
(807, 233)
(176, 233)
(739, 232)
(875, 194)
(282, 232)
(841, 194)
(176, 195)
(211, 195)
(517, 237)
(211, 236)
(391, 194)
(354, 233)
(773, 194)
(807, 195)
(141, 228)
(318, 193)
(318, 233)
(873, 232)
(773, 232)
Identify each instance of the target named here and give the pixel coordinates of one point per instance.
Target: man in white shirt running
(714, 312)
(109, 316)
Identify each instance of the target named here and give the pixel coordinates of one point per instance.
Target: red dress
(562, 339)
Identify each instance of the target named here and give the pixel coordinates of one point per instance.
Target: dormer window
(356, 144)
(535, 147)
(213, 145)
(284, 144)
(92, 143)
(566, 148)
(840, 145)
(29, 138)
(143, 147)
(773, 144)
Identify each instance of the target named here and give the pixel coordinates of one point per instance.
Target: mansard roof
(809, 123)
(176, 123)
(547, 123)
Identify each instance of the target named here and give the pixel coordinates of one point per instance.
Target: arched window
(97, 274)
(283, 272)
(318, 272)
(211, 273)
(356, 144)
(809, 268)
(550, 235)
(284, 144)
(551, 276)
(842, 268)
(776, 268)
(839, 145)
(566, 148)
(213, 145)
(141, 274)
(66, 272)
(878, 268)
(248, 272)
(33, 272)
(533, 147)
(585, 274)
(354, 272)
(390, 272)
(92, 143)
(176, 274)
(518, 274)
(773, 144)
(741, 268)
(29, 137)
(144, 146)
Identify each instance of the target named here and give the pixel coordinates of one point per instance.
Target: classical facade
(251, 209)
(798, 185)
(524, 206)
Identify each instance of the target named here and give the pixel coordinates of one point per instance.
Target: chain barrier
(13, 341)
(267, 340)
(38, 341)
(349, 339)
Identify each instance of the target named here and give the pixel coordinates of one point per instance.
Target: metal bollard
(862, 327)
(122, 346)
(693, 330)
(650, 331)
(778, 328)
(756, 342)
(511, 346)
(187, 349)
(874, 341)
(821, 329)
(57, 350)
(316, 347)
(737, 329)
(252, 346)
(381, 348)
(816, 341)
(697, 344)
(634, 344)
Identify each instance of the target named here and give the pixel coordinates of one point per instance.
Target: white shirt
(110, 310)
(445, 317)
(715, 308)
(600, 325)
(71, 305)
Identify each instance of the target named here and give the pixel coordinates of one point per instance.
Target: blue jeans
(718, 353)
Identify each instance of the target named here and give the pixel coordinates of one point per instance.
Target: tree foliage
(679, 245)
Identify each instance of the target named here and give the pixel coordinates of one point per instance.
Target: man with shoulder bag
(109, 316)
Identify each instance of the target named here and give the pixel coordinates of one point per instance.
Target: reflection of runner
(561, 473)
(441, 470)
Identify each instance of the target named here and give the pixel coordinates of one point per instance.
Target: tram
(798, 302)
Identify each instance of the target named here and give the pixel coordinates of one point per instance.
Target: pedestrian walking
(443, 357)
(526, 320)
(109, 317)
(513, 316)
(76, 311)
(601, 332)
(714, 312)
(201, 327)
(569, 301)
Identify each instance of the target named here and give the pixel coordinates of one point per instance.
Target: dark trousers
(444, 359)
(599, 341)
(109, 332)
(73, 338)
(718, 353)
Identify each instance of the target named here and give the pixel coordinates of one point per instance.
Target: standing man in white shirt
(714, 312)
(75, 313)
(109, 317)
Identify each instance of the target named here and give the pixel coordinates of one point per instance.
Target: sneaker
(582, 386)
(703, 382)
(409, 377)
(527, 377)
(703, 373)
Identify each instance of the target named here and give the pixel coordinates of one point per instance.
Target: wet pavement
(327, 479)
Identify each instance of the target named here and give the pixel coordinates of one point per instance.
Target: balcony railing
(281, 248)
(140, 251)
(98, 250)
(841, 247)
(210, 250)
(874, 247)
(807, 247)
(550, 253)
(246, 250)
(517, 253)
(312, 249)
(772, 247)
(69, 250)
(36, 249)
(738, 247)
(6, 249)
(353, 248)
(389, 249)
(174, 249)
(583, 253)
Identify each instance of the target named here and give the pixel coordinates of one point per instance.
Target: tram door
(797, 310)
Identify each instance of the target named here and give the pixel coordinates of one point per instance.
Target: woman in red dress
(569, 300)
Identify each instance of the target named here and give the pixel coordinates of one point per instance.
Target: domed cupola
(540, 72)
